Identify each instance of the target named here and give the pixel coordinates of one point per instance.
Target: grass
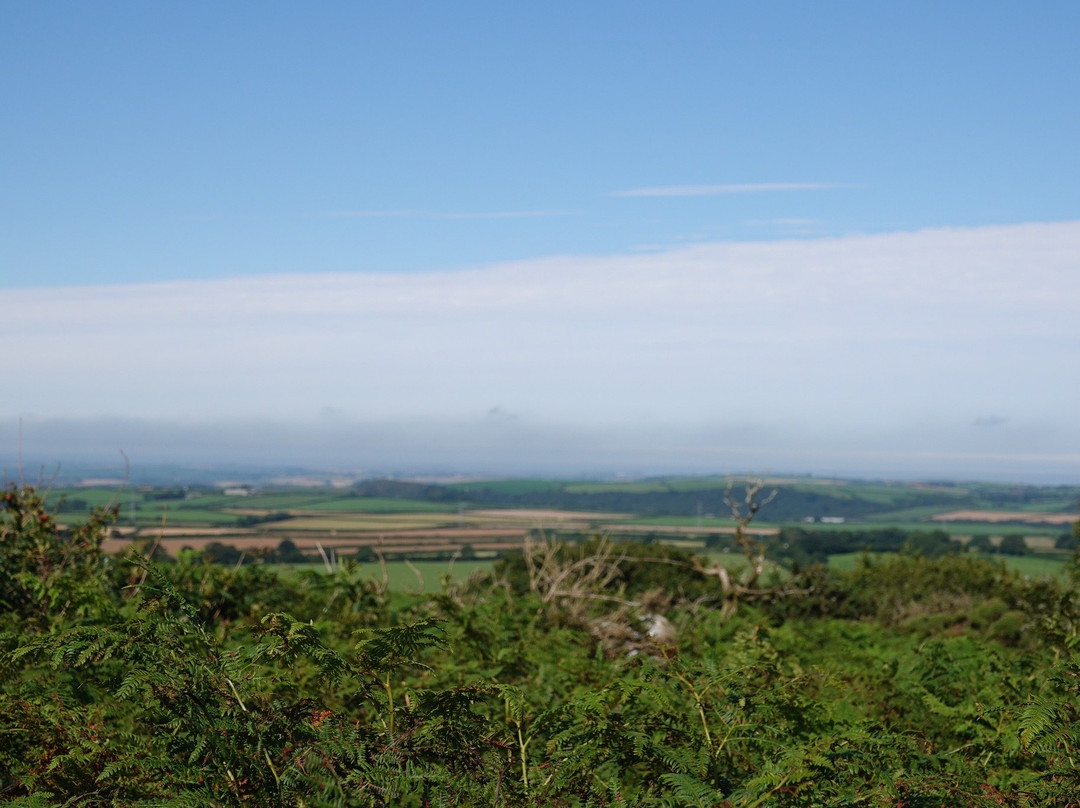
(844, 490)
(952, 528)
(682, 521)
(1033, 566)
(371, 505)
(150, 513)
(399, 576)
(990, 529)
(913, 514)
(870, 523)
(651, 486)
(510, 486)
(277, 501)
(291, 501)
(93, 497)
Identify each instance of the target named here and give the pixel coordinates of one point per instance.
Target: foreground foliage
(576, 676)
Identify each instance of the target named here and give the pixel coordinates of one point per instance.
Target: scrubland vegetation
(589, 674)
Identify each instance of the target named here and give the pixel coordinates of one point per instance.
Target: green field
(150, 514)
(870, 523)
(366, 521)
(93, 497)
(370, 505)
(401, 578)
(952, 528)
(1033, 566)
(292, 501)
(273, 501)
(682, 521)
(154, 513)
(651, 486)
(509, 486)
(916, 513)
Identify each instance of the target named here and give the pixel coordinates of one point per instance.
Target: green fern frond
(1037, 719)
(687, 791)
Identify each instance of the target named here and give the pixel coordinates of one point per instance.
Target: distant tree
(165, 493)
(1068, 541)
(288, 553)
(982, 544)
(1013, 544)
(217, 553)
(154, 551)
(932, 544)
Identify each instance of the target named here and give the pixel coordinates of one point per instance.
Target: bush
(189, 684)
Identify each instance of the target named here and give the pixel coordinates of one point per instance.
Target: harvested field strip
(544, 515)
(250, 543)
(153, 532)
(997, 517)
(366, 522)
(373, 536)
(682, 521)
(639, 528)
(359, 538)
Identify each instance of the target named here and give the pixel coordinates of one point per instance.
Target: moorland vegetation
(589, 674)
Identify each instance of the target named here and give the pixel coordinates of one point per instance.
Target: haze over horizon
(706, 238)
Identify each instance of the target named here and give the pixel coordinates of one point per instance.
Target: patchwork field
(998, 517)
(400, 518)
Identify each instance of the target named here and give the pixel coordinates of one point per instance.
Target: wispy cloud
(725, 189)
(937, 326)
(447, 215)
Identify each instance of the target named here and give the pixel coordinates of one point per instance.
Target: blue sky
(576, 199)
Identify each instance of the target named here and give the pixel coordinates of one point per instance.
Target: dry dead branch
(572, 583)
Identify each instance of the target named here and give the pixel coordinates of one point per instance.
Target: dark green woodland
(587, 674)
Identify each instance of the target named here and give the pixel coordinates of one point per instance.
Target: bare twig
(325, 558)
(417, 573)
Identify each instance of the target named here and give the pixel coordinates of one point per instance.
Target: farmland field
(425, 519)
(510, 486)
(366, 522)
(368, 505)
(400, 577)
(1007, 517)
(1034, 566)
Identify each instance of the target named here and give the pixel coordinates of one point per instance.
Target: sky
(554, 238)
